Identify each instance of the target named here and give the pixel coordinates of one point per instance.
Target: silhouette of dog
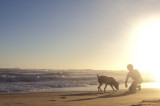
(107, 81)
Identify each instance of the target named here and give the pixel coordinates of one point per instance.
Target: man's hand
(126, 85)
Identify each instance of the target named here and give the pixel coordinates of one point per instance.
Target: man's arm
(140, 77)
(126, 80)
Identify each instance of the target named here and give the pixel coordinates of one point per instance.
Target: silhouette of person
(136, 77)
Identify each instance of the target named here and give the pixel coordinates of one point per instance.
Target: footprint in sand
(63, 97)
(18, 103)
(52, 100)
(148, 103)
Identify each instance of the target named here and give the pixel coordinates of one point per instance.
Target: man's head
(130, 67)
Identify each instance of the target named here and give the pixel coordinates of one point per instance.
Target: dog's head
(116, 85)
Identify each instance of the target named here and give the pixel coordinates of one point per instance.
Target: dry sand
(144, 97)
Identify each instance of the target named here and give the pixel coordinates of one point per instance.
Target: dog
(107, 81)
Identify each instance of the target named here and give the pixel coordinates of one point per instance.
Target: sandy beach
(83, 98)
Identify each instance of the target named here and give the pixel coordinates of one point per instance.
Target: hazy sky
(72, 34)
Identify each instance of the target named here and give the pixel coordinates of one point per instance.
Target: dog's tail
(97, 75)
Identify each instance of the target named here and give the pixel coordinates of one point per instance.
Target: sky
(79, 34)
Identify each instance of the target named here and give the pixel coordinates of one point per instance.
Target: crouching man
(136, 77)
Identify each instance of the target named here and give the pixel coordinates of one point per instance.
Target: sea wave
(30, 80)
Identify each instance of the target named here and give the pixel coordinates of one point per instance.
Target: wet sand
(83, 98)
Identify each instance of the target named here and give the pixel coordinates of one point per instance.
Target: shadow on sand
(84, 94)
(107, 95)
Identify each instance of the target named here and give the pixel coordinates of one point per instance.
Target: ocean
(15, 80)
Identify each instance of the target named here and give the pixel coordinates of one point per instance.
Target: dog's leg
(112, 87)
(105, 88)
(99, 87)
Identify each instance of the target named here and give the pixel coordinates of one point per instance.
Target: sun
(147, 46)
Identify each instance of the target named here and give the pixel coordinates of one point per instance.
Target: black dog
(107, 81)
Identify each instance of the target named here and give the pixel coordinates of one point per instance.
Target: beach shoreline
(85, 98)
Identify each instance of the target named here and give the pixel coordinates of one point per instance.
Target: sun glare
(146, 44)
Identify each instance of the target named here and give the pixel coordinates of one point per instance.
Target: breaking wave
(34, 80)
